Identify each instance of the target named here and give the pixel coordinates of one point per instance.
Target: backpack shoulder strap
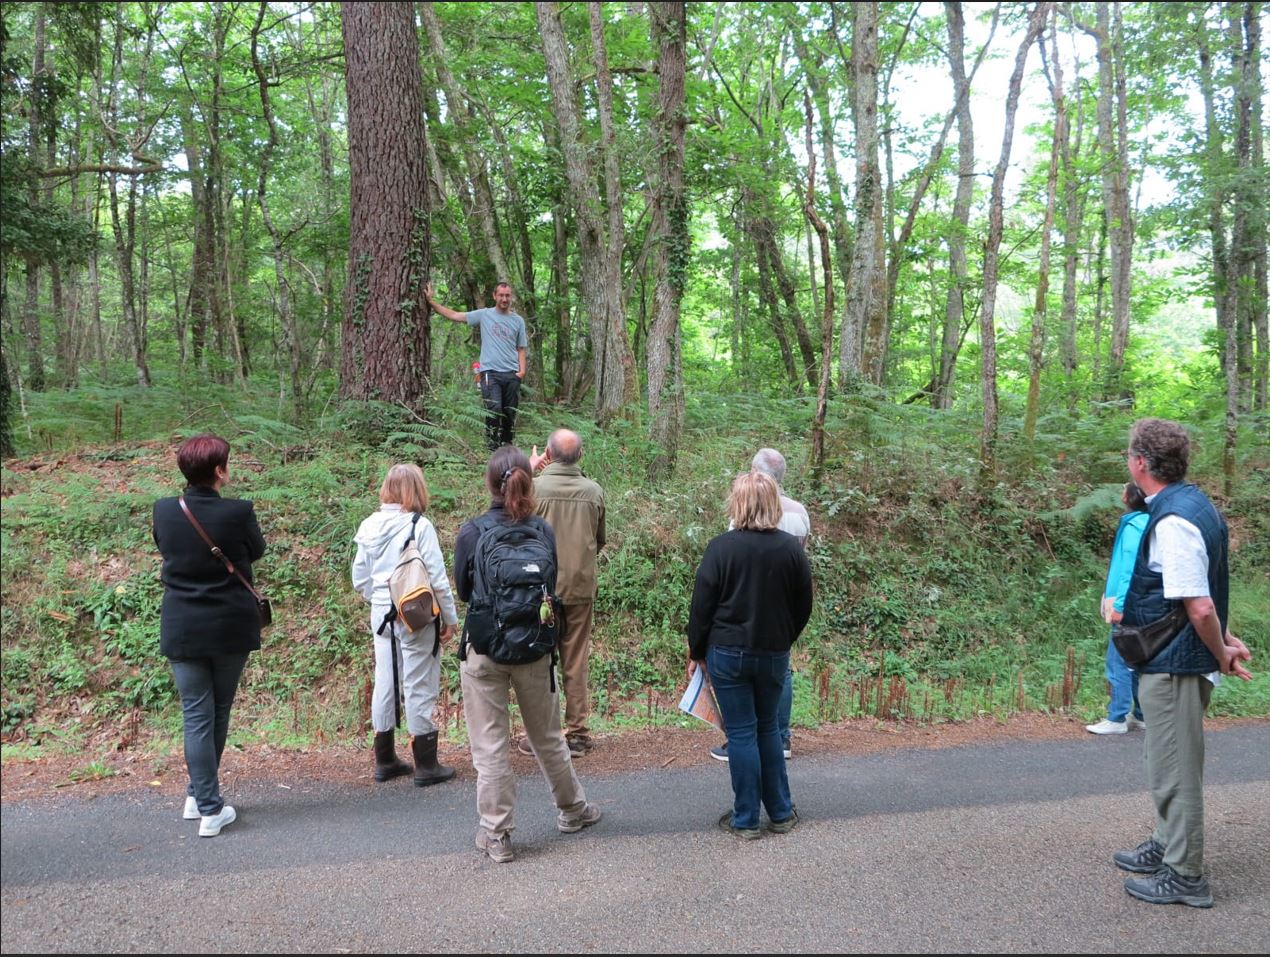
(410, 535)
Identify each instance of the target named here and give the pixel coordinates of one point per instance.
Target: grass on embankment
(940, 593)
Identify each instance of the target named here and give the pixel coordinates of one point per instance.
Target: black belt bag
(1138, 644)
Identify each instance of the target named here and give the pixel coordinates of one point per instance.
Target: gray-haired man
(796, 522)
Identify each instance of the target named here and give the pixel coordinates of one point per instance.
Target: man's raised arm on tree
(441, 310)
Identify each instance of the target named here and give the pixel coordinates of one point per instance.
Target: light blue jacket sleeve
(1124, 555)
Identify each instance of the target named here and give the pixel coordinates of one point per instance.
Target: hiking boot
(572, 823)
(1167, 886)
(427, 770)
(212, 823)
(525, 748)
(1146, 858)
(745, 833)
(497, 846)
(1106, 726)
(720, 753)
(387, 766)
(191, 810)
(579, 744)
(785, 826)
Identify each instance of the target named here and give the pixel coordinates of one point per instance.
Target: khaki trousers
(575, 667)
(486, 688)
(1174, 706)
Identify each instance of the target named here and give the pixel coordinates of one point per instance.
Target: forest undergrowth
(943, 592)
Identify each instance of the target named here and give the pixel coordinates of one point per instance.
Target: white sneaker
(1107, 727)
(1133, 722)
(212, 824)
(191, 809)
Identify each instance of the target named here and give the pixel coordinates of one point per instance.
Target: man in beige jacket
(574, 505)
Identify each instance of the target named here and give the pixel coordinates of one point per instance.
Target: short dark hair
(200, 456)
(1134, 500)
(1165, 445)
(500, 285)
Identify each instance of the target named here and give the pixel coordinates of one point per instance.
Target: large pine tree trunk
(385, 343)
(670, 238)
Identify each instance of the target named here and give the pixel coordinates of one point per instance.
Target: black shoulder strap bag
(262, 603)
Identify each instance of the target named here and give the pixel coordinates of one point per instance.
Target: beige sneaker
(572, 823)
(497, 846)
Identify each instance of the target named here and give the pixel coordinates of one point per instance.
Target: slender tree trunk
(860, 351)
(386, 342)
(286, 317)
(1036, 342)
(992, 250)
(477, 169)
(826, 326)
(600, 247)
(812, 59)
(1258, 186)
(31, 306)
(670, 231)
(767, 293)
(955, 307)
(1073, 226)
(1115, 181)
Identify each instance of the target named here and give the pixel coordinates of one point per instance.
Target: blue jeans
(1124, 686)
(749, 686)
(207, 687)
(786, 708)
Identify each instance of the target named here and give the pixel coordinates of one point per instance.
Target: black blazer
(206, 610)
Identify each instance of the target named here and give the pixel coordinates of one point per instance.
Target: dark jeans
(501, 393)
(207, 687)
(786, 707)
(749, 686)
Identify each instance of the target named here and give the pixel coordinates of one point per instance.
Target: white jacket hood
(379, 540)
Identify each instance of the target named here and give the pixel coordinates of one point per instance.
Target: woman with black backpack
(505, 568)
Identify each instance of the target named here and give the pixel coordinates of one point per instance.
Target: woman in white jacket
(380, 538)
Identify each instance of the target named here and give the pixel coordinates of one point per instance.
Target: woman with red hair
(209, 622)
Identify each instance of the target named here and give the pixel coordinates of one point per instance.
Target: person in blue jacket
(1122, 679)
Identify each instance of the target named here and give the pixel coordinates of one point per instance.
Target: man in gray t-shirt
(503, 344)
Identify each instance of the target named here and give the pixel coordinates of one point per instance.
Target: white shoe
(213, 823)
(1107, 727)
(191, 810)
(1133, 722)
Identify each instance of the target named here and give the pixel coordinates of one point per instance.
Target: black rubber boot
(427, 771)
(387, 766)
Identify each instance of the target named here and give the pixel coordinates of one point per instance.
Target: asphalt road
(1002, 848)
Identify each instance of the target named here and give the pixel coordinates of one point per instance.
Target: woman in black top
(751, 600)
(209, 621)
(487, 683)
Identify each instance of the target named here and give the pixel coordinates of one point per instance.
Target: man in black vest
(1182, 558)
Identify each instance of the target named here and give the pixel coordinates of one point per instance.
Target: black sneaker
(720, 753)
(1146, 858)
(1167, 886)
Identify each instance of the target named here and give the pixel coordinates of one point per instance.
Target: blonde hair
(755, 502)
(404, 485)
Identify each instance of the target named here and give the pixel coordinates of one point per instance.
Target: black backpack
(514, 614)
